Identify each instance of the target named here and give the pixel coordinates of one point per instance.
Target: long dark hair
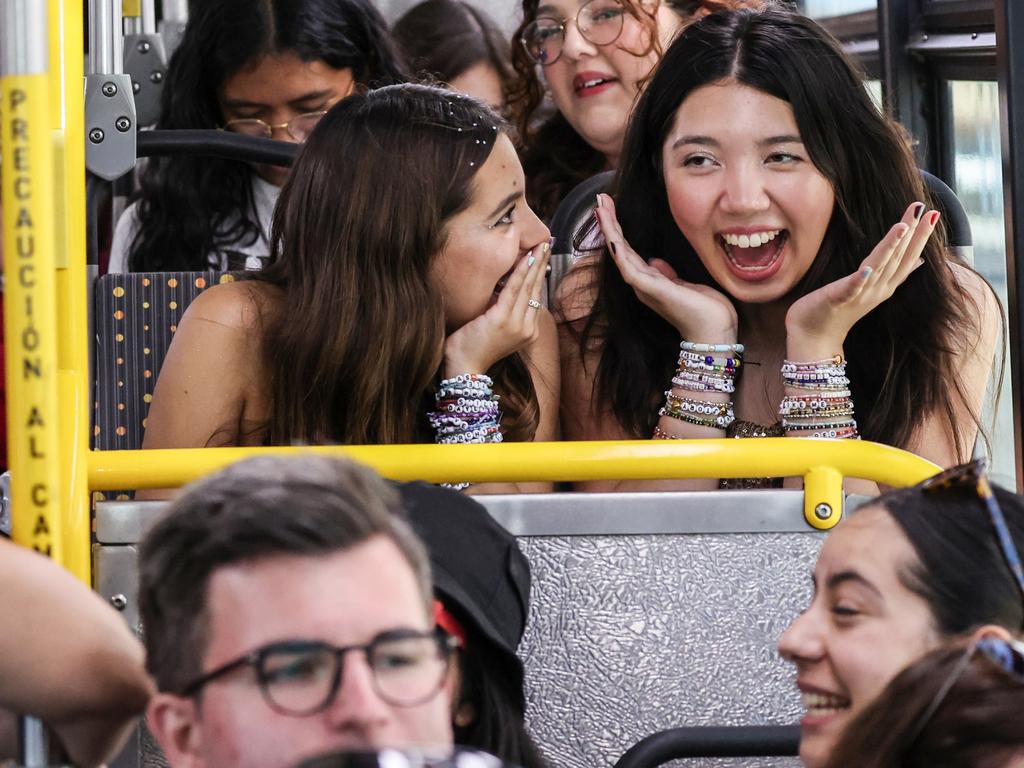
(190, 207)
(495, 693)
(355, 346)
(960, 570)
(902, 354)
(444, 38)
(977, 725)
(555, 157)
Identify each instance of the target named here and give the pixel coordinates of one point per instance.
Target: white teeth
(820, 702)
(751, 241)
(592, 83)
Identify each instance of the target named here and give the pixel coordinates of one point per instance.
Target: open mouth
(753, 256)
(823, 704)
(590, 83)
(500, 285)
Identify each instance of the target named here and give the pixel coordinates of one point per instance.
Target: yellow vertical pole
(30, 295)
(67, 115)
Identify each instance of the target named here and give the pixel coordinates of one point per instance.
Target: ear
(464, 715)
(991, 630)
(174, 722)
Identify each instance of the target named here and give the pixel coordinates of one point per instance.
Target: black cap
(478, 568)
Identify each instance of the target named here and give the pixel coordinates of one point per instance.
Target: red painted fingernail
(933, 219)
(918, 211)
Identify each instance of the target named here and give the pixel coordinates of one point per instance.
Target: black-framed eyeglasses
(302, 677)
(598, 21)
(972, 475)
(1008, 655)
(299, 127)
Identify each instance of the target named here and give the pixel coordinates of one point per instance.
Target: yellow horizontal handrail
(823, 464)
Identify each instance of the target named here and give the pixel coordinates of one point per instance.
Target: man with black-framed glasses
(287, 611)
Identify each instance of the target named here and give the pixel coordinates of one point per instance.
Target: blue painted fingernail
(866, 272)
(530, 260)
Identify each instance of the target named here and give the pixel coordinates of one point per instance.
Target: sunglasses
(972, 476)
(1007, 655)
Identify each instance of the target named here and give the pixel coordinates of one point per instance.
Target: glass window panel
(824, 8)
(978, 181)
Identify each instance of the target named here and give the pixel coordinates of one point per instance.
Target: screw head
(136, 87)
(823, 511)
(156, 77)
(96, 135)
(119, 601)
(143, 46)
(974, 35)
(122, 124)
(109, 89)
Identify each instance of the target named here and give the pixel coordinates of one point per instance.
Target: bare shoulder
(236, 305)
(577, 291)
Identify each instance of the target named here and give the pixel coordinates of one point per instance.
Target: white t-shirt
(256, 253)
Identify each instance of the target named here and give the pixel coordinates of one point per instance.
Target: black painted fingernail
(918, 211)
(612, 246)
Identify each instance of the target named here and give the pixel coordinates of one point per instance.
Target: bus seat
(136, 315)
(739, 741)
(649, 611)
(576, 209)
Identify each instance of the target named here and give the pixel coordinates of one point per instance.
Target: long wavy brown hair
(555, 157)
(355, 343)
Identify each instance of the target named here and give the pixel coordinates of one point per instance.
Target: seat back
(729, 741)
(136, 315)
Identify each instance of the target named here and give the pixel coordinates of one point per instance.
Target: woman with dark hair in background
(751, 264)
(961, 706)
(911, 570)
(482, 585)
(401, 301)
(451, 41)
(593, 59)
(267, 69)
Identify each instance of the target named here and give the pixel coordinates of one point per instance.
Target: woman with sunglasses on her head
(401, 303)
(267, 69)
(592, 57)
(911, 570)
(779, 274)
(958, 707)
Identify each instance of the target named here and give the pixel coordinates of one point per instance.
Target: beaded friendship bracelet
(466, 412)
(827, 408)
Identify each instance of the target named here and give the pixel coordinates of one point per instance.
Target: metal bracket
(110, 125)
(5, 503)
(146, 62)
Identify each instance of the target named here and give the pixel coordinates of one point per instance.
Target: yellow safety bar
(822, 463)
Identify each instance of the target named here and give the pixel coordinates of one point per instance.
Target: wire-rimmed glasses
(972, 475)
(598, 21)
(299, 127)
(302, 677)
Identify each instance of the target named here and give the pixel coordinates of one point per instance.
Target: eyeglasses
(599, 22)
(299, 127)
(972, 475)
(1008, 655)
(302, 677)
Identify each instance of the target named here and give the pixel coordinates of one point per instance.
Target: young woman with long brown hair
(592, 58)
(406, 274)
(772, 266)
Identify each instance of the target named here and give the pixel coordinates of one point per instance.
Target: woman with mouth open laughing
(401, 301)
(771, 267)
(914, 569)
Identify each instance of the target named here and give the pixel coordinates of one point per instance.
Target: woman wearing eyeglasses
(961, 706)
(260, 69)
(913, 569)
(592, 59)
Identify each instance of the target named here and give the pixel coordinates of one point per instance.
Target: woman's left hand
(817, 324)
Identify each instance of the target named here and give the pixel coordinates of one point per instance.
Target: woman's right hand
(510, 325)
(698, 312)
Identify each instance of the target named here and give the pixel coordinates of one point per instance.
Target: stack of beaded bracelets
(703, 368)
(824, 408)
(467, 412)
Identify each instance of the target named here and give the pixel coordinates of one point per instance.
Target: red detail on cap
(448, 623)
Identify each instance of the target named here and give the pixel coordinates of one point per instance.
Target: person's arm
(976, 356)
(67, 657)
(207, 391)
